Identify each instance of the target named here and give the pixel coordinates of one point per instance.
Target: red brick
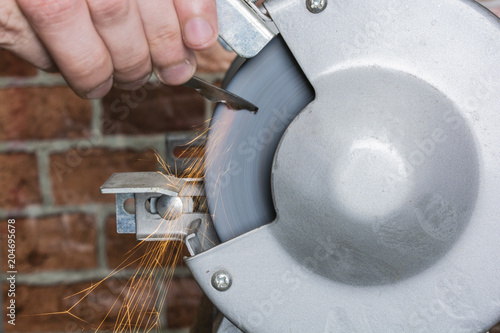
(78, 174)
(19, 180)
(152, 109)
(51, 243)
(42, 113)
(10, 65)
(183, 299)
(99, 310)
(124, 250)
(214, 60)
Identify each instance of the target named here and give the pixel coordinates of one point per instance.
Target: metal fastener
(222, 281)
(316, 6)
(169, 207)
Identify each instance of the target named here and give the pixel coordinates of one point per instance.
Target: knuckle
(88, 70)
(6, 13)
(107, 10)
(9, 28)
(43, 12)
(164, 36)
(134, 65)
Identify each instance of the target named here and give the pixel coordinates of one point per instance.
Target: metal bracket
(244, 27)
(183, 163)
(164, 209)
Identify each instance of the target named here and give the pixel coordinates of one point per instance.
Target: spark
(137, 307)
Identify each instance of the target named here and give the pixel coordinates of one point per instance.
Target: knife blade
(216, 94)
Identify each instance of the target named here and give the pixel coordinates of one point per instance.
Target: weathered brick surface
(42, 113)
(123, 250)
(99, 310)
(214, 60)
(77, 175)
(152, 109)
(19, 180)
(10, 65)
(183, 299)
(59, 242)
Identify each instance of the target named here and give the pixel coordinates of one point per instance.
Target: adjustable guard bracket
(164, 209)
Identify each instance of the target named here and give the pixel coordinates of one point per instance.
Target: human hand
(95, 43)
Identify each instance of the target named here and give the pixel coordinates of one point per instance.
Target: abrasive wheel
(241, 145)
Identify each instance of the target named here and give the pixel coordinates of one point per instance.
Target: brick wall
(56, 150)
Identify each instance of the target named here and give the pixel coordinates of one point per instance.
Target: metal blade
(216, 94)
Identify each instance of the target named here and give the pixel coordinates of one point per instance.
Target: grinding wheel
(241, 145)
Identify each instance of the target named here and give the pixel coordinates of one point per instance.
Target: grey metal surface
(167, 207)
(386, 187)
(163, 209)
(156, 227)
(241, 146)
(392, 176)
(243, 27)
(222, 325)
(126, 221)
(216, 94)
(143, 182)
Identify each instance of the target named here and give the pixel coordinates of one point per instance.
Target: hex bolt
(316, 6)
(221, 281)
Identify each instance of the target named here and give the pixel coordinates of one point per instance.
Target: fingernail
(198, 32)
(134, 85)
(176, 74)
(100, 90)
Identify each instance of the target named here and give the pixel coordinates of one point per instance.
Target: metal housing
(386, 186)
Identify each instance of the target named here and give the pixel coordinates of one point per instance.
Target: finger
(17, 36)
(66, 29)
(173, 62)
(198, 20)
(119, 24)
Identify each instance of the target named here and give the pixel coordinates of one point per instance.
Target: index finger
(65, 27)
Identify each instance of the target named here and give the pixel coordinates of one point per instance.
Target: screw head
(316, 6)
(221, 281)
